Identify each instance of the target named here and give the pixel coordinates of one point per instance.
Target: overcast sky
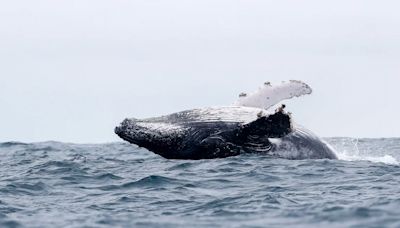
(71, 70)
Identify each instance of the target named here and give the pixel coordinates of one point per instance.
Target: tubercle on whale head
(120, 128)
(124, 129)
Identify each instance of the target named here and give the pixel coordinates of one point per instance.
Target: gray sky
(72, 70)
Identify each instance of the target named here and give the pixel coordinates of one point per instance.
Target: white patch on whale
(269, 95)
(160, 127)
(235, 114)
(301, 143)
(230, 114)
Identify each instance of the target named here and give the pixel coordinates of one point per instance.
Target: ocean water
(54, 184)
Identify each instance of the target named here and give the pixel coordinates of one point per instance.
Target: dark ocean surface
(54, 184)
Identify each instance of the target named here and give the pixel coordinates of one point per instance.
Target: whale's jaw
(159, 140)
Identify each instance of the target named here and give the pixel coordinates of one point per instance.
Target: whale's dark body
(223, 132)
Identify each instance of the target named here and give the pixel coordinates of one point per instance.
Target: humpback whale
(247, 126)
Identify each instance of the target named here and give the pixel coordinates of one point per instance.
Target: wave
(11, 144)
(119, 185)
(349, 156)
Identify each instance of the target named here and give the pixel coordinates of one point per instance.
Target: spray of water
(350, 151)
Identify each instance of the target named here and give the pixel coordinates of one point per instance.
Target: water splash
(349, 149)
(387, 159)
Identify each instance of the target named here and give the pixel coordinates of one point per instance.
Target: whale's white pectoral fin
(269, 95)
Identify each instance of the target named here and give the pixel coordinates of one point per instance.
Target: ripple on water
(38, 188)
(53, 184)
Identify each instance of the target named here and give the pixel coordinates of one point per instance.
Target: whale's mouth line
(257, 147)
